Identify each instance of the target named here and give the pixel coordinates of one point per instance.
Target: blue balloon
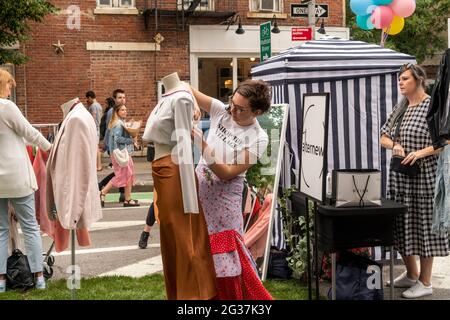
(382, 2)
(364, 22)
(362, 7)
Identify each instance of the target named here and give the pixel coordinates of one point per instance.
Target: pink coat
(72, 186)
(256, 236)
(53, 229)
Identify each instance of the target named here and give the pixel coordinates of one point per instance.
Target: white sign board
(314, 145)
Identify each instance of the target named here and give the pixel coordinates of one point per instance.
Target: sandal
(102, 199)
(129, 203)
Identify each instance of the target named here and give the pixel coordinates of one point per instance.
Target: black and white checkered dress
(413, 230)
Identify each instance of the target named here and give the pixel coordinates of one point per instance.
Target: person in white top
(17, 180)
(186, 255)
(235, 142)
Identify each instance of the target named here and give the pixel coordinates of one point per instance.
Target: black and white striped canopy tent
(362, 81)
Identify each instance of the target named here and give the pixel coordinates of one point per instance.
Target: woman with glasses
(413, 236)
(235, 142)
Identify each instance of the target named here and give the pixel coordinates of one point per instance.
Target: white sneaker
(402, 281)
(2, 286)
(40, 283)
(418, 290)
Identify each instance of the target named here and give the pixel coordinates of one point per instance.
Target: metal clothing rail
(52, 127)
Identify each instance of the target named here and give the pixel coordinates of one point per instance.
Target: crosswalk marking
(140, 269)
(102, 250)
(105, 225)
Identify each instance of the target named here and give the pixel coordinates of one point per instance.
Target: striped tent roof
(328, 59)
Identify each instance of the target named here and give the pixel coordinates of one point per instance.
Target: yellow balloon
(396, 26)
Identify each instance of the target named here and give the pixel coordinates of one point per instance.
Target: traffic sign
(301, 34)
(301, 10)
(264, 40)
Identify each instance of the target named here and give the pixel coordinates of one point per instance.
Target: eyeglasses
(407, 66)
(239, 109)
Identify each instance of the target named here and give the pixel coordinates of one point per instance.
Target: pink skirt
(122, 175)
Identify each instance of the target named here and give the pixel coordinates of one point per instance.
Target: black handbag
(396, 161)
(18, 272)
(408, 170)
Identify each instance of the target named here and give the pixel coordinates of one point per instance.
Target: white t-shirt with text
(229, 140)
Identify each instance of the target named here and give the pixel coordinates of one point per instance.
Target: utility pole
(311, 16)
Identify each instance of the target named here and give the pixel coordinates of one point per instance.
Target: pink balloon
(403, 8)
(382, 17)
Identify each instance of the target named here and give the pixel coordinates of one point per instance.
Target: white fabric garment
(72, 186)
(170, 123)
(228, 139)
(17, 177)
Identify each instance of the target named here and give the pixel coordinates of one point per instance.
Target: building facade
(102, 45)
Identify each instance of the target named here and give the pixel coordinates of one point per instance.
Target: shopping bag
(18, 272)
(356, 187)
(358, 278)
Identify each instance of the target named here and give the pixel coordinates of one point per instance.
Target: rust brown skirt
(186, 254)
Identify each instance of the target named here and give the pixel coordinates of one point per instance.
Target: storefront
(220, 59)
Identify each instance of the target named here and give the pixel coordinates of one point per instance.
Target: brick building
(109, 44)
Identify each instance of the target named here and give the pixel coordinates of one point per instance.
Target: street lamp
(322, 28)
(240, 30)
(275, 28)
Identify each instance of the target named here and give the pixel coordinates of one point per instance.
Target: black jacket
(438, 117)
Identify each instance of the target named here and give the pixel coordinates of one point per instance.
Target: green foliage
(295, 234)
(100, 288)
(423, 34)
(262, 175)
(15, 16)
(255, 177)
(286, 290)
(126, 288)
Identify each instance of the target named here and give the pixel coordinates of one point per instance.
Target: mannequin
(71, 198)
(171, 82)
(188, 265)
(67, 106)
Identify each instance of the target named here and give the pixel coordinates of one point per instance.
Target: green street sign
(264, 40)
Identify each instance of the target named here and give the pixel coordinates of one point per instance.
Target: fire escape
(178, 14)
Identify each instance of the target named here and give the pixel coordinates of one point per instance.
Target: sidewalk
(440, 281)
(144, 180)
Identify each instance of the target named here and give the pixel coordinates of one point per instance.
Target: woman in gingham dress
(413, 236)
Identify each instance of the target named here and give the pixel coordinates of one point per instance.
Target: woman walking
(120, 139)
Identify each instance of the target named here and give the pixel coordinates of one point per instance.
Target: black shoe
(144, 239)
(122, 197)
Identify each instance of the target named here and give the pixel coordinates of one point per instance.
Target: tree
(15, 16)
(423, 34)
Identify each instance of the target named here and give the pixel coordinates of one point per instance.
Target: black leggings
(150, 220)
(105, 181)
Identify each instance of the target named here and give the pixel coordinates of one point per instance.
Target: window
(116, 3)
(204, 5)
(266, 5)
